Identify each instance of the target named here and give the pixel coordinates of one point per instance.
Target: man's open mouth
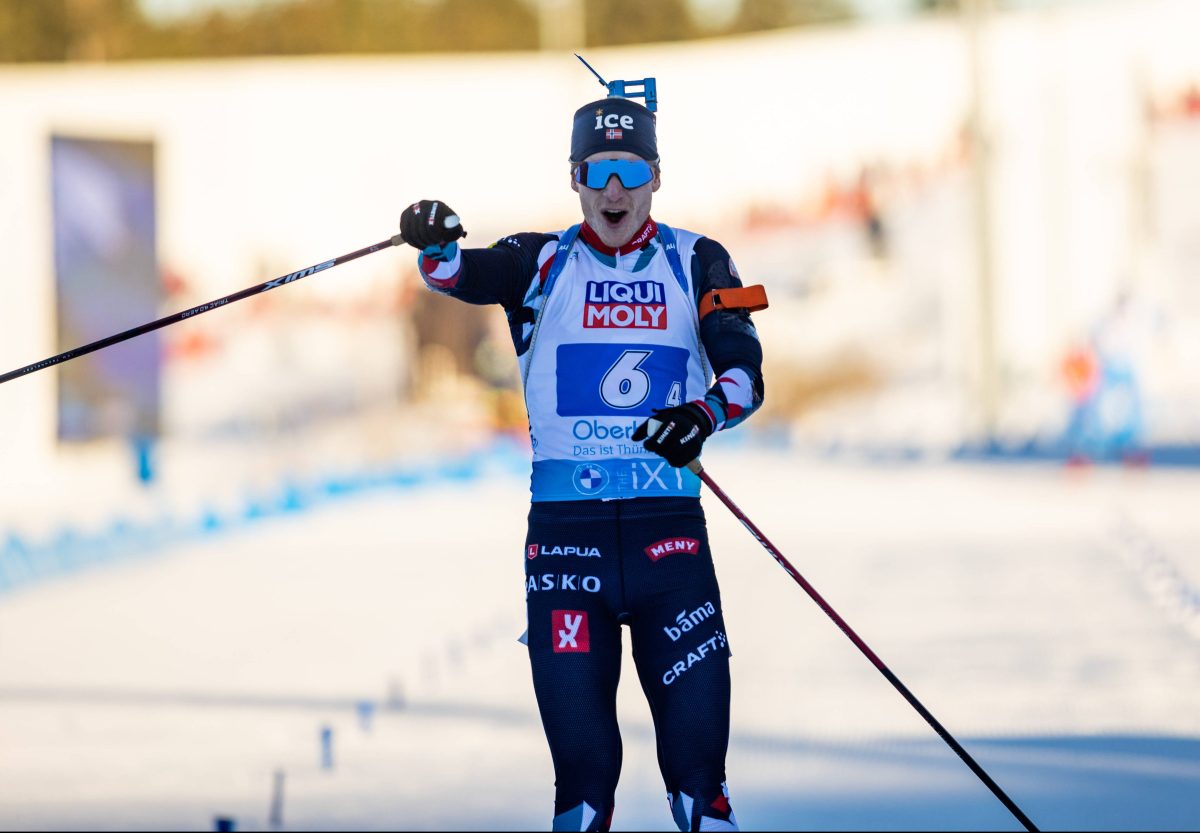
(614, 217)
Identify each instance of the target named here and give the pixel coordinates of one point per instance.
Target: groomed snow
(1043, 616)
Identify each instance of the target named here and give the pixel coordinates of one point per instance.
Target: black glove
(430, 223)
(680, 434)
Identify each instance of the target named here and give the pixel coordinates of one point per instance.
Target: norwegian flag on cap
(614, 133)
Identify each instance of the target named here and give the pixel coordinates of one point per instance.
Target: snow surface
(1049, 618)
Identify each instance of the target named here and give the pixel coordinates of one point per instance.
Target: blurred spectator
(1081, 374)
(1119, 397)
(1191, 101)
(865, 204)
(1102, 379)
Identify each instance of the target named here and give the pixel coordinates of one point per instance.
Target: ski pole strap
(751, 298)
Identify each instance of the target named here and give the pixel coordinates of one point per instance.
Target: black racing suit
(594, 565)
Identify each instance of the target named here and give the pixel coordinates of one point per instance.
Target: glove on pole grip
(430, 223)
(694, 466)
(676, 434)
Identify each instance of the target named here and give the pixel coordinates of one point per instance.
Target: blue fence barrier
(25, 561)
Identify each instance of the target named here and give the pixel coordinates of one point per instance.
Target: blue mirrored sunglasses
(633, 173)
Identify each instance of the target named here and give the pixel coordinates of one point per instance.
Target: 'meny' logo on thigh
(668, 546)
(569, 631)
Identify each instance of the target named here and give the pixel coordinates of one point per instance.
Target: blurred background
(236, 546)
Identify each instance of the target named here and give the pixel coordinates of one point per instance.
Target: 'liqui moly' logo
(635, 305)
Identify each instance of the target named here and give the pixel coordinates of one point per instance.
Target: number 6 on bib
(626, 385)
(618, 379)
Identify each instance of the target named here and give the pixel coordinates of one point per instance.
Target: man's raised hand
(431, 226)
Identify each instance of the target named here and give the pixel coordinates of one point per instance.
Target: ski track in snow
(1042, 615)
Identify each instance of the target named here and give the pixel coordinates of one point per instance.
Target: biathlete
(619, 323)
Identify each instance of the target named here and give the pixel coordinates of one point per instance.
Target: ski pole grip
(652, 425)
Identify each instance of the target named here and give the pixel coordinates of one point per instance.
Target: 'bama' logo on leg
(669, 546)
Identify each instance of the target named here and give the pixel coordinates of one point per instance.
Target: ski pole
(394, 240)
(697, 469)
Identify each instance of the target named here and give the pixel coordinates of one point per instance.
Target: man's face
(615, 212)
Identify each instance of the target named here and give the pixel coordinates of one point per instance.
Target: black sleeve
(501, 273)
(728, 335)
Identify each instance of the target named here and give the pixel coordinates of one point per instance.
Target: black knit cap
(613, 124)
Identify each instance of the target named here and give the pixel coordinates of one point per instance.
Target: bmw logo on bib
(590, 479)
